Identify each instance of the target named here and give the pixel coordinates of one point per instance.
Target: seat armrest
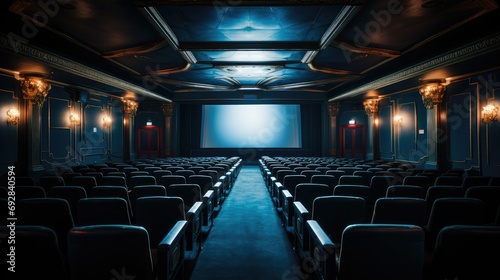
(171, 252)
(276, 191)
(195, 209)
(301, 235)
(320, 237)
(270, 184)
(321, 245)
(300, 208)
(194, 216)
(208, 195)
(286, 196)
(287, 207)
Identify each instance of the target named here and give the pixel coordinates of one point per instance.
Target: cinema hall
(249, 139)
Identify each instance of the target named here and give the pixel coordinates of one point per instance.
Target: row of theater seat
(94, 228)
(399, 224)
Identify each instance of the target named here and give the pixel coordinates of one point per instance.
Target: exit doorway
(148, 142)
(353, 141)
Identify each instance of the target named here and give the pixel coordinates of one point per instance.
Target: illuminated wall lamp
(13, 116)
(398, 120)
(74, 119)
(489, 114)
(106, 122)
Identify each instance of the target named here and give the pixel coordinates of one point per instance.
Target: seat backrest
(435, 192)
(72, 194)
(416, 180)
(282, 173)
(147, 190)
(196, 169)
(378, 187)
(185, 173)
(97, 175)
(159, 173)
(307, 192)
(399, 210)
(448, 181)
(366, 175)
(212, 173)
(291, 181)
(322, 169)
(87, 182)
(329, 180)
(204, 181)
(381, 251)
(405, 191)
(453, 211)
(190, 193)
(23, 192)
(490, 195)
(113, 180)
(466, 252)
(54, 213)
(103, 210)
(158, 215)
(472, 181)
(104, 252)
(352, 190)
(106, 170)
(494, 181)
(141, 180)
(349, 170)
(310, 173)
(334, 213)
(36, 251)
(48, 182)
(351, 180)
(25, 181)
(167, 180)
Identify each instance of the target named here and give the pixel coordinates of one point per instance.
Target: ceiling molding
(230, 3)
(74, 68)
(464, 53)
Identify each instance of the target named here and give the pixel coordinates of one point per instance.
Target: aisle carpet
(247, 240)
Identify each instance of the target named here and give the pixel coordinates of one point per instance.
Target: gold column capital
(130, 106)
(34, 89)
(333, 109)
(168, 109)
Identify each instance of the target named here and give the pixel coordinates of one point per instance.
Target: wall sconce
(432, 92)
(106, 122)
(371, 105)
(74, 119)
(489, 113)
(13, 116)
(352, 121)
(398, 120)
(34, 89)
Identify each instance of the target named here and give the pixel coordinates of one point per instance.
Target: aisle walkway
(247, 240)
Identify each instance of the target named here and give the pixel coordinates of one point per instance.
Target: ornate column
(129, 110)
(432, 92)
(168, 112)
(333, 111)
(34, 90)
(371, 110)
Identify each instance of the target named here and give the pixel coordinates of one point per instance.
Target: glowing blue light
(251, 126)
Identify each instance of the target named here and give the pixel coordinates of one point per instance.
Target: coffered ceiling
(181, 50)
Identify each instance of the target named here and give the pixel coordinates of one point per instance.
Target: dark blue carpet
(247, 240)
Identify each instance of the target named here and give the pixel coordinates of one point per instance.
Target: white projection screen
(251, 126)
